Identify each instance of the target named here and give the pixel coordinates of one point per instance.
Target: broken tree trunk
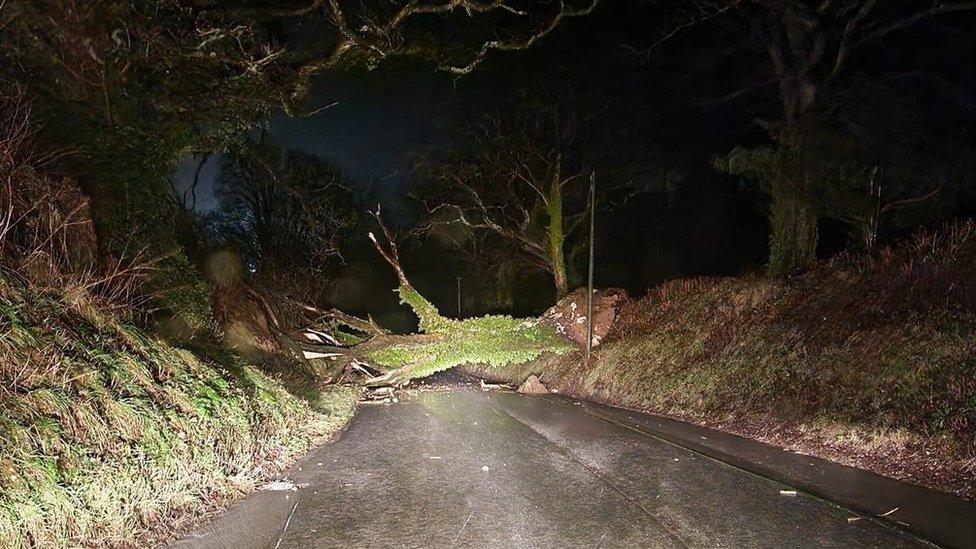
(493, 340)
(443, 342)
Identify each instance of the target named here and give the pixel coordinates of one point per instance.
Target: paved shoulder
(704, 501)
(936, 516)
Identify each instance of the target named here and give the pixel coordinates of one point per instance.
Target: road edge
(937, 517)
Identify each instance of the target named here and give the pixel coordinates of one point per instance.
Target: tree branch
(522, 43)
(368, 326)
(905, 22)
(849, 30)
(391, 255)
(905, 202)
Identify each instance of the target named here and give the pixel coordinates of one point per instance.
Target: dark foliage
(286, 214)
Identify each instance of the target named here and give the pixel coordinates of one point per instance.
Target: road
(466, 468)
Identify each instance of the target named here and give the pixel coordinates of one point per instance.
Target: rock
(283, 485)
(532, 386)
(569, 314)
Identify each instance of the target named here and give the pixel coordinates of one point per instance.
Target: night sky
(697, 96)
(378, 118)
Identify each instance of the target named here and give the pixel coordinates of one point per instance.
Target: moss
(793, 242)
(431, 320)
(495, 340)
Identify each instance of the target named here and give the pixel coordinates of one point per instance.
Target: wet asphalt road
(471, 469)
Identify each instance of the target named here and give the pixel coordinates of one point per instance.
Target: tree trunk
(505, 287)
(793, 242)
(557, 238)
(559, 275)
(795, 48)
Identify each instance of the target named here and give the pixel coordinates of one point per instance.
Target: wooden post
(589, 276)
(459, 297)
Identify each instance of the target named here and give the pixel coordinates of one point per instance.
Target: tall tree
(809, 46)
(522, 176)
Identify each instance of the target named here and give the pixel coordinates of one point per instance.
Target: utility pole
(459, 296)
(589, 276)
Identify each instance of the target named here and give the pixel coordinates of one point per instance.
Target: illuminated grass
(106, 433)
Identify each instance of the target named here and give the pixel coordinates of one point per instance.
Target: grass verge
(869, 361)
(109, 437)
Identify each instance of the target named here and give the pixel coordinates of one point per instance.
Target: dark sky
(682, 100)
(379, 114)
(681, 91)
(402, 106)
(378, 117)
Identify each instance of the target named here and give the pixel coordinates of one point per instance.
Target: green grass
(108, 435)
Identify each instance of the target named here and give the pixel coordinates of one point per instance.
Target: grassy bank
(109, 436)
(866, 360)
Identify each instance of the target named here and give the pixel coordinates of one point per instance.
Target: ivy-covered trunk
(793, 240)
(559, 273)
(443, 342)
(793, 210)
(557, 238)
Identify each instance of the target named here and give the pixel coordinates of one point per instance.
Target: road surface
(467, 468)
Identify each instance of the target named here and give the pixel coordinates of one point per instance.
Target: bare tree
(457, 35)
(522, 176)
(285, 213)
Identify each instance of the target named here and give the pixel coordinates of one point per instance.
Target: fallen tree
(444, 342)
(347, 348)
